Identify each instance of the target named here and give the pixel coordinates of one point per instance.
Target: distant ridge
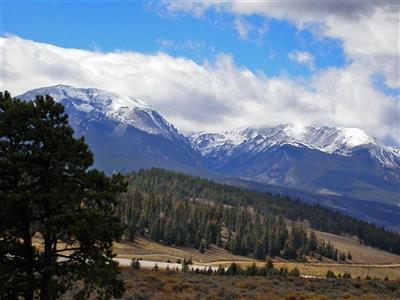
(126, 134)
(322, 160)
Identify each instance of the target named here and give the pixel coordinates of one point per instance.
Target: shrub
(155, 268)
(294, 272)
(135, 264)
(347, 275)
(330, 274)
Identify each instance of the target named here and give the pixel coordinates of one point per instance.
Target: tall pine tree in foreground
(57, 215)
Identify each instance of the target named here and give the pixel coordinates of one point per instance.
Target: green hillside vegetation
(199, 224)
(178, 209)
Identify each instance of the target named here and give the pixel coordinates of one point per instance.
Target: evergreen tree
(135, 264)
(201, 247)
(221, 270)
(233, 269)
(259, 252)
(349, 256)
(48, 189)
(342, 256)
(185, 265)
(269, 268)
(131, 232)
(312, 241)
(155, 268)
(346, 275)
(183, 187)
(294, 272)
(330, 274)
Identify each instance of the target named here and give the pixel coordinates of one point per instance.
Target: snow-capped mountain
(332, 140)
(124, 134)
(322, 160)
(336, 165)
(113, 106)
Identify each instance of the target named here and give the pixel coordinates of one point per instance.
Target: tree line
(180, 186)
(200, 223)
(234, 269)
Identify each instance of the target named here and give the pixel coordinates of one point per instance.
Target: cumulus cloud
(303, 58)
(214, 95)
(369, 30)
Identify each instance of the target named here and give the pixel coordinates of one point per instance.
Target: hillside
(174, 200)
(178, 187)
(366, 260)
(126, 134)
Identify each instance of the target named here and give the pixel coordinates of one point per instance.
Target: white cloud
(189, 44)
(242, 27)
(369, 30)
(212, 96)
(248, 31)
(303, 58)
(165, 43)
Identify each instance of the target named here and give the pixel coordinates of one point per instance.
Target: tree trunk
(46, 269)
(29, 266)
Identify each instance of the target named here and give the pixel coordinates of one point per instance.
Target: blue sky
(138, 27)
(217, 65)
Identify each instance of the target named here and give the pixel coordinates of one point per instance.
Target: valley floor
(366, 261)
(145, 284)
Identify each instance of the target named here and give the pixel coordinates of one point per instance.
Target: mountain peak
(96, 103)
(89, 95)
(333, 140)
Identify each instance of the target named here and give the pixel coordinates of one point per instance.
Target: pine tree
(221, 270)
(49, 189)
(330, 274)
(155, 230)
(289, 252)
(312, 241)
(131, 232)
(156, 268)
(349, 256)
(342, 256)
(135, 264)
(294, 272)
(201, 247)
(269, 267)
(259, 251)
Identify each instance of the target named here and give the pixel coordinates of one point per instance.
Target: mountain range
(329, 164)
(322, 160)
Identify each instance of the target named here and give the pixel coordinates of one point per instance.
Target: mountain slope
(322, 160)
(124, 134)
(337, 165)
(181, 186)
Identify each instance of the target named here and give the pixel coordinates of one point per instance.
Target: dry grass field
(320, 269)
(150, 250)
(361, 253)
(366, 261)
(145, 285)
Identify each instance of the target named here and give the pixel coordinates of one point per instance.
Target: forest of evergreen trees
(198, 222)
(184, 210)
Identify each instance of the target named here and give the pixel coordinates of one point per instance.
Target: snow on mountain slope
(114, 106)
(125, 134)
(207, 143)
(341, 141)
